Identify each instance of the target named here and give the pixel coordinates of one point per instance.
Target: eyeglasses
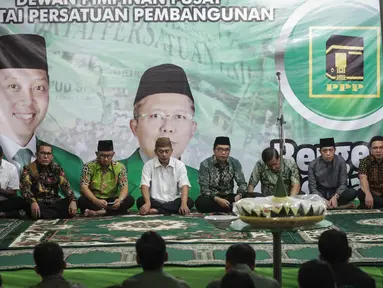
(377, 148)
(45, 153)
(159, 116)
(104, 156)
(227, 150)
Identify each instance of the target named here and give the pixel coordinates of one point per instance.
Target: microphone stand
(280, 190)
(280, 119)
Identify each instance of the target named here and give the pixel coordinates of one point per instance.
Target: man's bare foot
(153, 211)
(90, 213)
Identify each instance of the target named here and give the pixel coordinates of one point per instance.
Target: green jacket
(134, 165)
(72, 166)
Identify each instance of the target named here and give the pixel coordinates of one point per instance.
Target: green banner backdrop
(328, 54)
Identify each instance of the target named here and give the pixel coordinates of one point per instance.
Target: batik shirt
(374, 170)
(104, 183)
(268, 177)
(42, 183)
(217, 180)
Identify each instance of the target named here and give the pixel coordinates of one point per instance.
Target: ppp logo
(329, 54)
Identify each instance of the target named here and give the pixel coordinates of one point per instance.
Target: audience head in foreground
(333, 247)
(151, 251)
(316, 274)
(49, 259)
(240, 253)
(240, 264)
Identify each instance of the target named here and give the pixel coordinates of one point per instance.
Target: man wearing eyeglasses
(39, 184)
(371, 176)
(104, 184)
(163, 107)
(216, 179)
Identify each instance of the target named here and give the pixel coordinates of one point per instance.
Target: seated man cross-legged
(370, 193)
(327, 176)
(104, 184)
(40, 183)
(216, 178)
(164, 183)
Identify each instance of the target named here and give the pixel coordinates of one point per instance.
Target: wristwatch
(336, 196)
(121, 200)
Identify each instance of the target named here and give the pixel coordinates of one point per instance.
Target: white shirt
(9, 177)
(165, 183)
(10, 149)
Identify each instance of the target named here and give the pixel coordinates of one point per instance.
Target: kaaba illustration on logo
(344, 58)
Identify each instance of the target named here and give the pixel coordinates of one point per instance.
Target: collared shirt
(217, 180)
(10, 149)
(42, 183)
(325, 176)
(104, 183)
(268, 177)
(165, 183)
(374, 170)
(155, 278)
(258, 280)
(143, 156)
(56, 281)
(9, 177)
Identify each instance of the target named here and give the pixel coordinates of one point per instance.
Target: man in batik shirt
(267, 171)
(104, 184)
(216, 179)
(40, 183)
(371, 176)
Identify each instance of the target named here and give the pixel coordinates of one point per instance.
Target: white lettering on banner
(195, 2)
(30, 3)
(11, 15)
(123, 2)
(88, 14)
(203, 14)
(352, 153)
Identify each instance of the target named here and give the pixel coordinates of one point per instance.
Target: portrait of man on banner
(24, 100)
(163, 107)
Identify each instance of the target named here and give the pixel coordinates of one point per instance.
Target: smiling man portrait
(24, 100)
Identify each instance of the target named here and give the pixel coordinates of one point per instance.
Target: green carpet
(191, 241)
(195, 277)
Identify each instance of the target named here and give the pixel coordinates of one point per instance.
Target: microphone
(278, 75)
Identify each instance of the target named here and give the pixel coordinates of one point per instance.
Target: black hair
(42, 144)
(241, 253)
(151, 250)
(49, 258)
(333, 246)
(269, 154)
(376, 138)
